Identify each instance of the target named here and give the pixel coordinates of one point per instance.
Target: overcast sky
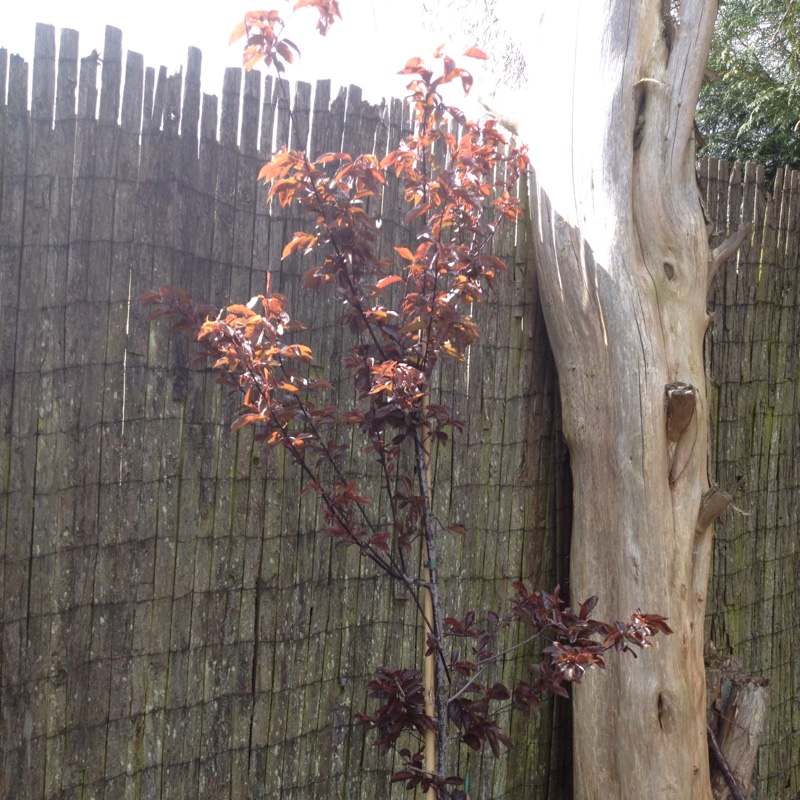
(366, 48)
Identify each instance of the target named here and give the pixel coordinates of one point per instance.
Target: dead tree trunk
(624, 269)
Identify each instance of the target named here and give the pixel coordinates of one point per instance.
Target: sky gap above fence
(252, 113)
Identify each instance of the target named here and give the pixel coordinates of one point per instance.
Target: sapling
(405, 314)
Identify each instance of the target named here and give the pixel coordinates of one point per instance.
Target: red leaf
(412, 65)
(388, 281)
(300, 241)
(457, 529)
(587, 607)
(238, 31)
(284, 52)
(245, 419)
(326, 158)
(292, 45)
(475, 52)
(238, 308)
(416, 212)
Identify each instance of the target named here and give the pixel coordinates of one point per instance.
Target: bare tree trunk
(624, 269)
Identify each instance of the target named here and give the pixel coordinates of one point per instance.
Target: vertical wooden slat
(187, 694)
(107, 289)
(19, 447)
(249, 280)
(3, 78)
(315, 623)
(56, 497)
(86, 304)
(36, 381)
(123, 438)
(147, 109)
(721, 202)
(265, 509)
(147, 368)
(236, 476)
(161, 427)
(159, 98)
(57, 444)
(320, 119)
(301, 116)
(183, 743)
(352, 119)
(218, 585)
(267, 120)
(190, 112)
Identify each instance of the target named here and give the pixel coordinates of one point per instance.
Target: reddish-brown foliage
(405, 314)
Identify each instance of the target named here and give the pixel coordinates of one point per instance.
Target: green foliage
(750, 107)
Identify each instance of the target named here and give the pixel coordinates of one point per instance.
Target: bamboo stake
(429, 679)
(429, 682)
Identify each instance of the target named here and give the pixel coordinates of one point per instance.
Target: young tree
(405, 313)
(624, 268)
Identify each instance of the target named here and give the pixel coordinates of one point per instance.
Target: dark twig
(724, 766)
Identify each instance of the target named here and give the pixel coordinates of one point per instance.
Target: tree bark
(623, 263)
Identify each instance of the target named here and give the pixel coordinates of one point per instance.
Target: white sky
(367, 47)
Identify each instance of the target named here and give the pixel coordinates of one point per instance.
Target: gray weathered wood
(622, 249)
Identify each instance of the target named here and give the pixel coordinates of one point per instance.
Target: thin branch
(392, 503)
(509, 122)
(469, 683)
(516, 646)
(391, 568)
(722, 763)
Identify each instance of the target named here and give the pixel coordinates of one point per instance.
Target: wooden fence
(753, 358)
(172, 624)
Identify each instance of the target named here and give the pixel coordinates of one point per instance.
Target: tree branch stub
(681, 403)
(720, 254)
(712, 504)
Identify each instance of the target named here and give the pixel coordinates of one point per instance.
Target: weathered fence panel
(753, 357)
(172, 624)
